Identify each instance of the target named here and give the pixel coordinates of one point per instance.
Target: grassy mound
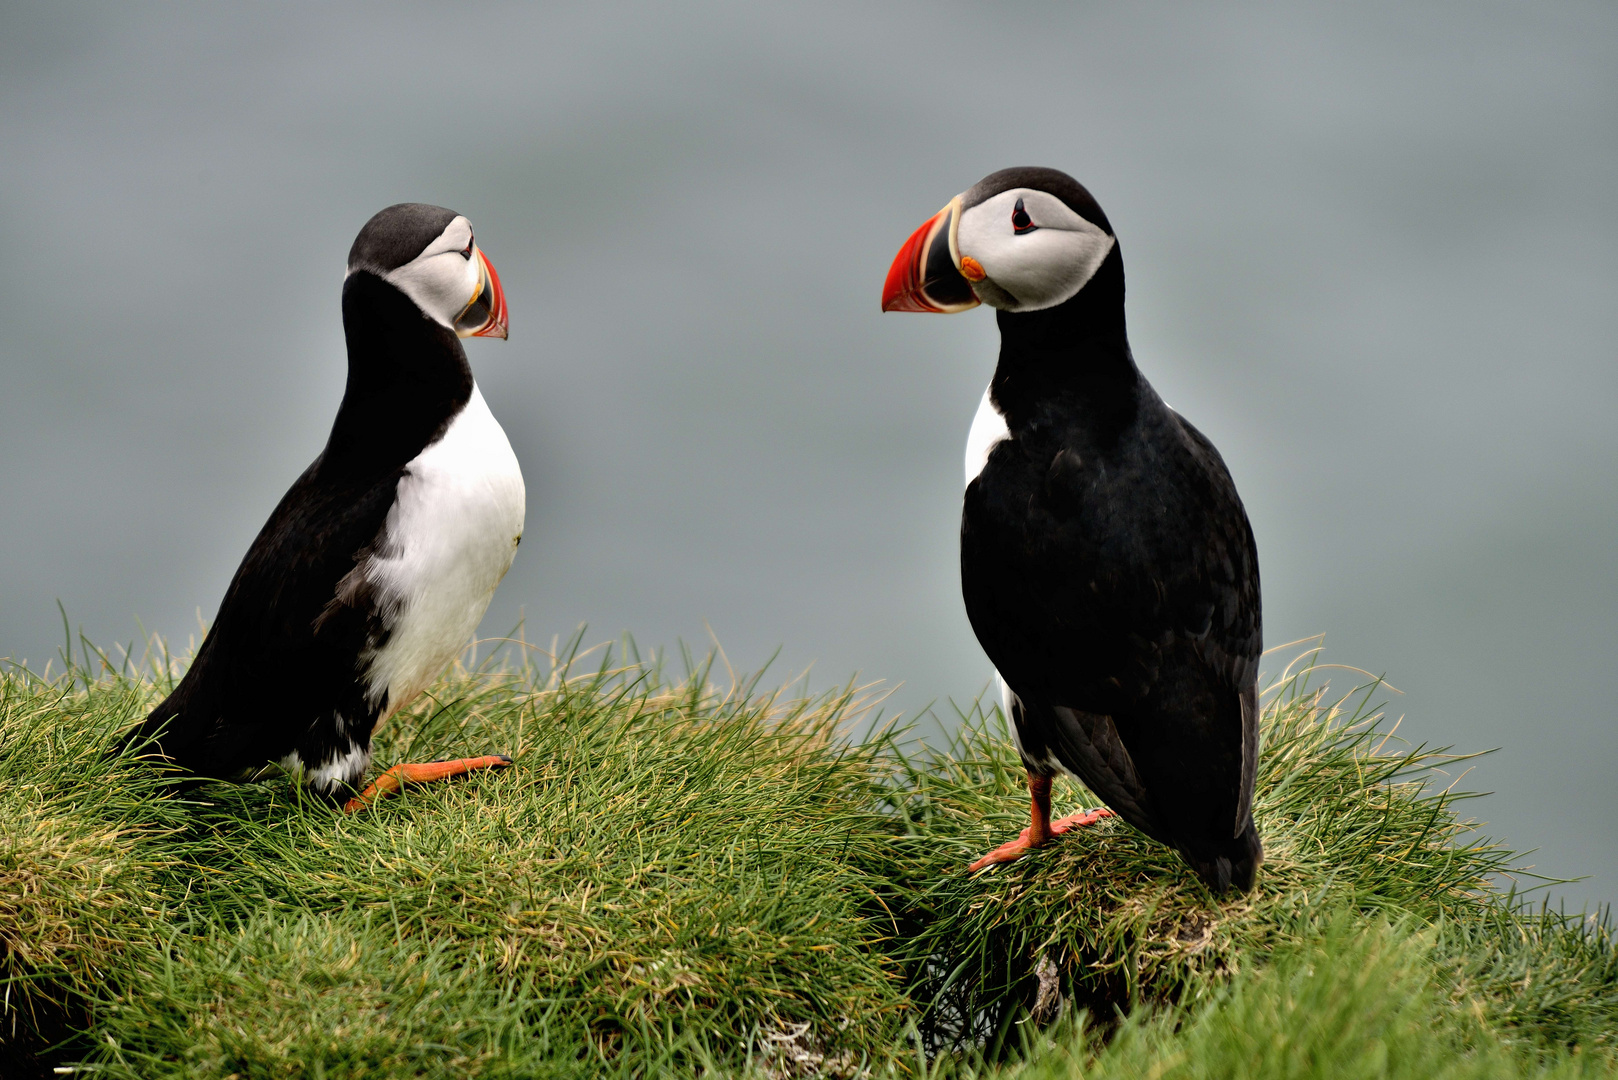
(678, 879)
(1356, 1001)
(1350, 818)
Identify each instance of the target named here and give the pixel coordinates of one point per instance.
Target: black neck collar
(407, 379)
(1074, 356)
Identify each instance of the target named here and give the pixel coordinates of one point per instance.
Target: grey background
(1371, 253)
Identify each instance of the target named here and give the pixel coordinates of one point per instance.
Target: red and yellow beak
(926, 274)
(485, 315)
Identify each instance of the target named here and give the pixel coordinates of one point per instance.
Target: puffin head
(428, 253)
(1021, 239)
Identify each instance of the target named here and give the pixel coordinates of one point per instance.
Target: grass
(1350, 817)
(679, 878)
(1356, 1001)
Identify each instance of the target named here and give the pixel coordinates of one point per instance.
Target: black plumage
(1110, 573)
(279, 669)
(281, 677)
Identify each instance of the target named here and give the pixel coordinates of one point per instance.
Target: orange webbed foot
(390, 782)
(1013, 849)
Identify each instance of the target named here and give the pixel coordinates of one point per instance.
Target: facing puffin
(1108, 567)
(378, 563)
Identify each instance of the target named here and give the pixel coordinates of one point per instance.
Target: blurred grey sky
(1372, 252)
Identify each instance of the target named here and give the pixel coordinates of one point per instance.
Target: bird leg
(390, 782)
(1041, 828)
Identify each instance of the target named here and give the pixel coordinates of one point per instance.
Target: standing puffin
(1108, 567)
(377, 565)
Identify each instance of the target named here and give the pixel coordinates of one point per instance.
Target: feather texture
(370, 573)
(1110, 572)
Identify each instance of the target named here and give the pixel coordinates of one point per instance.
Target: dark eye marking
(466, 252)
(1020, 221)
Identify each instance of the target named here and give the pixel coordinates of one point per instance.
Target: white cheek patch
(1040, 268)
(440, 280)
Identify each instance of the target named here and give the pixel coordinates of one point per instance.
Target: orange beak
(926, 274)
(485, 316)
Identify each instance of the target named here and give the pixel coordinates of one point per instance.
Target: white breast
(988, 429)
(449, 539)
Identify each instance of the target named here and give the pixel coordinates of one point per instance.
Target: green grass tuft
(1355, 1002)
(682, 879)
(1349, 817)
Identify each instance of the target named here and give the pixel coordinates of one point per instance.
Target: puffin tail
(144, 736)
(158, 736)
(1234, 863)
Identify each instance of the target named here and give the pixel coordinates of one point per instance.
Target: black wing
(278, 669)
(1087, 745)
(1229, 652)
(1115, 587)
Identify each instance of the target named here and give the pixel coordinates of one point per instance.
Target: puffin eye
(1020, 221)
(466, 252)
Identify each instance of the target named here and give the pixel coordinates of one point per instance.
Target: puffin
(1107, 564)
(375, 568)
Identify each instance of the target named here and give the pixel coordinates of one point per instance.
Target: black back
(1110, 572)
(279, 669)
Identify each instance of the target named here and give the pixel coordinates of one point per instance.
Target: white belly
(449, 539)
